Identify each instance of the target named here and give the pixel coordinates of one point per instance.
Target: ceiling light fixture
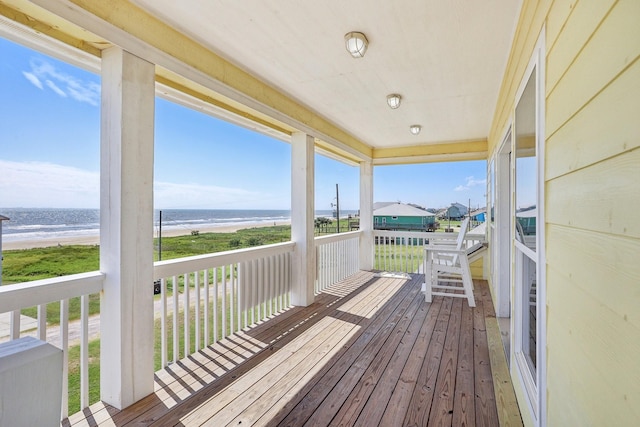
(394, 100)
(415, 129)
(356, 44)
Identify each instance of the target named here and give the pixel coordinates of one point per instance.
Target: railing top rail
(174, 267)
(330, 238)
(425, 235)
(411, 234)
(21, 295)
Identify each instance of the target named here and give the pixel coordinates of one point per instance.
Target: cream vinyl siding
(592, 196)
(593, 221)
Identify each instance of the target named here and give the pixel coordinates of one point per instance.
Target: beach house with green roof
(400, 216)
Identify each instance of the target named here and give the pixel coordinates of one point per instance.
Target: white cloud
(47, 185)
(172, 195)
(40, 184)
(471, 182)
(33, 79)
(61, 83)
(55, 88)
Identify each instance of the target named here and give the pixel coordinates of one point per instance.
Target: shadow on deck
(368, 352)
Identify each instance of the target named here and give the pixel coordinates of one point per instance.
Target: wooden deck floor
(369, 352)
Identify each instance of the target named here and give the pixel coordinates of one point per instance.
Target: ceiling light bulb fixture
(394, 100)
(356, 44)
(415, 129)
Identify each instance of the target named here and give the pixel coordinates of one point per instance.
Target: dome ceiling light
(394, 100)
(415, 129)
(356, 44)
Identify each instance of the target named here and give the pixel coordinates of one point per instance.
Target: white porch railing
(38, 294)
(208, 297)
(402, 251)
(215, 294)
(337, 257)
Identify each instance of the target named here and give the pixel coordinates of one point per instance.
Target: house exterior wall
(402, 220)
(592, 196)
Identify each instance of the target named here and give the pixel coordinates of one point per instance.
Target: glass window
(526, 178)
(526, 166)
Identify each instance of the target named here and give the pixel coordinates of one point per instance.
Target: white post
(303, 266)
(366, 216)
(126, 228)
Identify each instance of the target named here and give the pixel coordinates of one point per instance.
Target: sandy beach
(94, 240)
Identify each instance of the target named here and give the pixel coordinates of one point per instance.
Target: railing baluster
(64, 342)
(196, 283)
(260, 286)
(224, 301)
(163, 321)
(253, 290)
(269, 308)
(239, 299)
(14, 325)
(84, 351)
(404, 247)
(207, 330)
(176, 330)
(232, 313)
(246, 286)
(278, 282)
(216, 297)
(42, 322)
(186, 311)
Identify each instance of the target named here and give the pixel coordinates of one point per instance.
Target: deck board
(368, 352)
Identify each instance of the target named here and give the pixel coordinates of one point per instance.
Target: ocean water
(37, 224)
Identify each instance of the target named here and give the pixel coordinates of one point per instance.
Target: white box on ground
(30, 383)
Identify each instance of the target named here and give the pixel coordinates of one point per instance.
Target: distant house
(399, 216)
(456, 211)
(479, 215)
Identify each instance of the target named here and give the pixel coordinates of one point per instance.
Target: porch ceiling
(446, 59)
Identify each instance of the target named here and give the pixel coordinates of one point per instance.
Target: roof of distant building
(401, 209)
(378, 205)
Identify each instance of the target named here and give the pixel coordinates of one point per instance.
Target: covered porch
(225, 320)
(369, 351)
(544, 91)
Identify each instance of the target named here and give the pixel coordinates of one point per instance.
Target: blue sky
(49, 153)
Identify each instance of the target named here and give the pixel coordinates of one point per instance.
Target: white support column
(126, 228)
(303, 267)
(366, 216)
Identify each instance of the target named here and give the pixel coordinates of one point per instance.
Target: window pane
(526, 167)
(526, 213)
(530, 295)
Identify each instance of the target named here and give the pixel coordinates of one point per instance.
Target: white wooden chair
(447, 263)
